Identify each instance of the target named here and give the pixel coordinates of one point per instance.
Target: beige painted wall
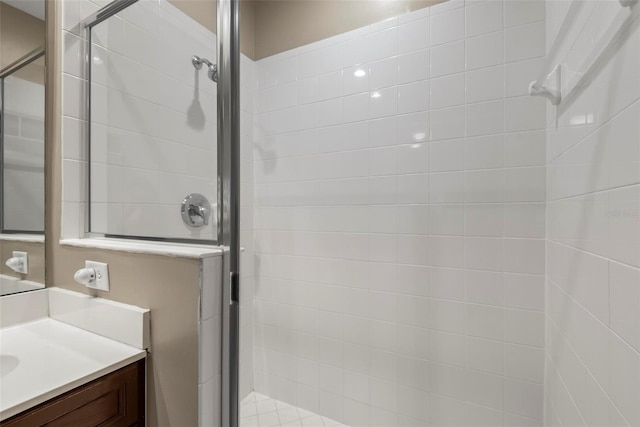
(204, 12)
(20, 33)
(268, 27)
(34, 72)
(168, 286)
(281, 25)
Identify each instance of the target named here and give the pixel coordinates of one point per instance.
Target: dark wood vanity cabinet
(116, 399)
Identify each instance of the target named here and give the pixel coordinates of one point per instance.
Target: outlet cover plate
(25, 261)
(102, 275)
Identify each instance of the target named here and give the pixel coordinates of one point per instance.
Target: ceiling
(32, 7)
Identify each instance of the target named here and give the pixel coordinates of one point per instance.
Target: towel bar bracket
(550, 88)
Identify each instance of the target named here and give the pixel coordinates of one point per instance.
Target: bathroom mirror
(22, 145)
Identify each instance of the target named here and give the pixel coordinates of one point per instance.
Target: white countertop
(53, 358)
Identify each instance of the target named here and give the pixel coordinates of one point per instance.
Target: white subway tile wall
(593, 249)
(399, 175)
(210, 338)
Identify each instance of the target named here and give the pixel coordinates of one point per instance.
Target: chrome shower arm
(212, 68)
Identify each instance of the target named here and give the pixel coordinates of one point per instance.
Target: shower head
(213, 72)
(212, 69)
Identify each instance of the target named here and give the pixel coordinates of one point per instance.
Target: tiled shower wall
(247, 258)
(210, 337)
(400, 220)
(593, 268)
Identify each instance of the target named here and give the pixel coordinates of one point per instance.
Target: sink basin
(7, 364)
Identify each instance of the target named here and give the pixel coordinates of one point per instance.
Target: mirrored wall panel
(22, 146)
(23, 150)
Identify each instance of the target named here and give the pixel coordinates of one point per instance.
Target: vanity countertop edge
(55, 358)
(53, 341)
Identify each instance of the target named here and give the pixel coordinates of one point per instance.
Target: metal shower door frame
(228, 206)
(86, 25)
(228, 53)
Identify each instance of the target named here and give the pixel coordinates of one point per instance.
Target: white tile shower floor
(258, 410)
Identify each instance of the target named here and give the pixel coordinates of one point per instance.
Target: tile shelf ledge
(28, 238)
(177, 250)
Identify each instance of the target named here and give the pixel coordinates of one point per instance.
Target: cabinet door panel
(117, 399)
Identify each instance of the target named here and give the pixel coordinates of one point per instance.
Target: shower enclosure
(414, 205)
(403, 204)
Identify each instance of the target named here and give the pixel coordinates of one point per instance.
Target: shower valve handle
(198, 215)
(196, 210)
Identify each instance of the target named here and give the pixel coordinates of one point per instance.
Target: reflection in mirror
(23, 149)
(22, 142)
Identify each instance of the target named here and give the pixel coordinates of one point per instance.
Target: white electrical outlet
(102, 275)
(22, 256)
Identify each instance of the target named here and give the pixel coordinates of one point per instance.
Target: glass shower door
(394, 271)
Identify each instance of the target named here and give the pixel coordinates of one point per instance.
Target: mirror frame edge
(52, 167)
